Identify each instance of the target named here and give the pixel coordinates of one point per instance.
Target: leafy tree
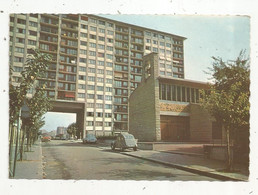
(72, 129)
(228, 99)
(35, 67)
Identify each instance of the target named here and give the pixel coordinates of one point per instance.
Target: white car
(90, 138)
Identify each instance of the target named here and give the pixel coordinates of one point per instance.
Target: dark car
(124, 141)
(90, 138)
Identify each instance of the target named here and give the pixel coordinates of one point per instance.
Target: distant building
(61, 130)
(167, 109)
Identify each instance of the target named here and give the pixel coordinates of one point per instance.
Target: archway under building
(71, 107)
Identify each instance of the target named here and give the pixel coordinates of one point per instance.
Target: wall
(200, 124)
(144, 121)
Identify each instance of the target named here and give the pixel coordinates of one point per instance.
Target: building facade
(167, 109)
(96, 62)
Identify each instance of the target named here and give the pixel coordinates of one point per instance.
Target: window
(19, 30)
(82, 77)
(18, 59)
(155, 49)
(84, 43)
(108, 106)
(92, 28)
(110, 32)
(83, 51)
(101, 46)
(101, 38)
(20, 40)
(108, 124)
(92, 70)
(93, 45)
(83, 69)
(100, 88)
(101, 63)
(109, 81)
(20, 21)
(108, 115)
(100, 71)
(99, 105)
(108, 98)
(90, 123)
(31, 42)
(83, 60)
(162, 43)
(81, 86)
(81, 95)
(17, 69)
(109, 48)
(92, 53)
(91, 78)
(19, 50)
(100, 80)
(90, 113)
(90, 105)
(32, 33)
(110, 25)
(109, 64)
(168, 45)
(33, 24)
(109, 89)
(90, 96)
(148, 40)
(93, 37)
(101, 55)
(83, 26)
(92, 62)
(101, 30)
(99, 97)
(83, 34)
(92, 20)
(155, 42)
(109, 72)
(102, 22)
(109, 40)
(91, 87)
(109, 56)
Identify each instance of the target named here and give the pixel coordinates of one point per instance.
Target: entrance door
(174, 128)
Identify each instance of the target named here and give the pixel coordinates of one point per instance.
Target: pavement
(32, 168)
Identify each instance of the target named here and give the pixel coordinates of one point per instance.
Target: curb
(185, 168)
(182, 153)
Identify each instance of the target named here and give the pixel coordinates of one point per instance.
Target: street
(71, 160)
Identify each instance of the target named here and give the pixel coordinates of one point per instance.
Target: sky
(207, 36)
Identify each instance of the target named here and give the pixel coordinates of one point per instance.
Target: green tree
(72, 129)
(228, 99)
(36, 66)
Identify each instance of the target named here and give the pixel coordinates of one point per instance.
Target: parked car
(46, 139)
(124, 141)
(90, 138)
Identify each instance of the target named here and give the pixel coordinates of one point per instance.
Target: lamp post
(24, 113)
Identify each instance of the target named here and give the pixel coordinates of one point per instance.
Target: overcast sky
(207, 36)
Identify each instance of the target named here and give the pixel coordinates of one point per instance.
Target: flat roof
(193, 83)
(132, 25)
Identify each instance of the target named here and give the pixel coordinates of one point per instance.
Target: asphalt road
(77, 161)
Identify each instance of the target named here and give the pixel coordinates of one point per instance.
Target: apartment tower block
(96, 61)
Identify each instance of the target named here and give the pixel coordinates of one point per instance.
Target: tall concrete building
(97, 63)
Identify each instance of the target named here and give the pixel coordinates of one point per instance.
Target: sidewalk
(31, 166)
(195, 164)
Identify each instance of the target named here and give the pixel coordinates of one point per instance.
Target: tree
(72, 129)
(228, 99)
(35, 67)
